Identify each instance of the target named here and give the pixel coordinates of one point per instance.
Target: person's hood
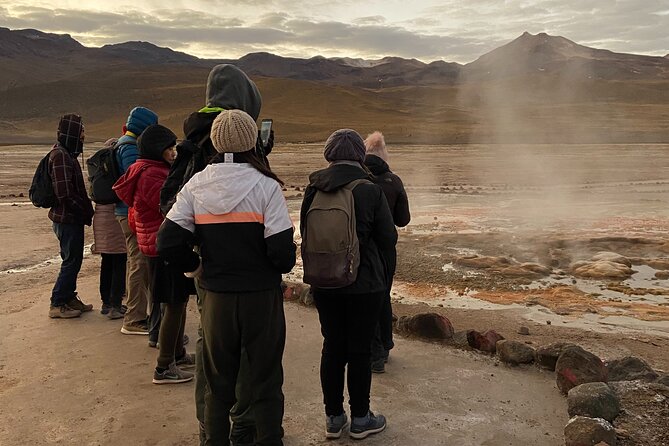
(127, 139)
(126, 186)
(336, 176)
(230, 88)
(220, 187)
(376, 165)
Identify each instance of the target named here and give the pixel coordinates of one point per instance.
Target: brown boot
(63, 312)
(76, 304)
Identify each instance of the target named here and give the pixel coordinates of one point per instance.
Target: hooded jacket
(374, 225)
(242, 225)
(140, 188)
(228, 88)
(73, 206)
(392, 186)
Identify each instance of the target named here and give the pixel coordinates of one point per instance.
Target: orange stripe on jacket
(230, 217)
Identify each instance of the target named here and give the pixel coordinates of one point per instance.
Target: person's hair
(249, 157)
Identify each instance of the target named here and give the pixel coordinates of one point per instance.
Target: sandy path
(82, 382)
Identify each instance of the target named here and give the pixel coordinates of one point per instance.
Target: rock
(643, 420)
(584, 431)
(426, 325)
(663, 379)
(482, 262)
(514, 352)
(486, 342)
(460, 340)
(594, 400)
(576, 366)
(601, 269)
(611, 257)
(662, 275)
(630, 368)
(524, 331)
(307, 297)
(547, 356)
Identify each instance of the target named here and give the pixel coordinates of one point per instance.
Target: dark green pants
(171, 334)
(238, 326)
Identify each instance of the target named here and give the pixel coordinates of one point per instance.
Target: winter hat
(345, 144)
(154, 140)
(69, 133)
(139, 119)
(234, 131)
(376, 145)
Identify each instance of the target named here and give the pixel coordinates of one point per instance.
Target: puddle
(44, 264)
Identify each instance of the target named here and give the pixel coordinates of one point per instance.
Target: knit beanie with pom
(234, 131)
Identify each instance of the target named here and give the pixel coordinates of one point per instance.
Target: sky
(450, 30)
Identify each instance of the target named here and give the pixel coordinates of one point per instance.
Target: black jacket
(374, 224)
(392, 186)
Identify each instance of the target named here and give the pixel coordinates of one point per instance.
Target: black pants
(71, 239)
(171, 334)
(382, 341)
(253, 326)
(347, 325)
(112, 279)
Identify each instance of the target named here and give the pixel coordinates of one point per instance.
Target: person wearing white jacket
(235, 212)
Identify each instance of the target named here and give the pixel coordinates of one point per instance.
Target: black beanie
(154, 140)
(69, 133)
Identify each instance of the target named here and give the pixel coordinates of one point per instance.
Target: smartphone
(265, 128)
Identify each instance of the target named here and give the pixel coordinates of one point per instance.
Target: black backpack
(103, 172)
(41, 191)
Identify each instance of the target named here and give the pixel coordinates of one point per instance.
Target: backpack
(103, 171)
(41, 191)
(330, 247)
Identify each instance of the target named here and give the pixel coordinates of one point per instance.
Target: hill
(537, 88)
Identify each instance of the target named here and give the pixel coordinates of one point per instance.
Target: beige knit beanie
(234, 131)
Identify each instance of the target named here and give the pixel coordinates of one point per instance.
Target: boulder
(486, 342)
(514, 352)
(460, 339)
(601, 269)
(546, 357)
(662, 275)
(630, 368)
(594, 400)
(576, 366)
(426, 325)
(643, 420)
(611, 257)
(663, 379)
(584, 431)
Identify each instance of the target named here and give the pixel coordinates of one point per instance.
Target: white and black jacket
(239, 219)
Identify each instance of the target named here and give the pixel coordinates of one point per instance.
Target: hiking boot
(186, 361)
(63, 312)
(378, 366)
(361, 427)
(135, 328)
(105, 309)
(171, 375)
(115, 313)
(335, 424)
(76, 304)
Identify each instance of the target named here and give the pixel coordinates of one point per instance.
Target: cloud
(450, 30)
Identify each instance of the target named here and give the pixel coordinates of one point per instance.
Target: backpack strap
(351, 185)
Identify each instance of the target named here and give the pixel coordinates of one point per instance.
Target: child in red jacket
(140, 188)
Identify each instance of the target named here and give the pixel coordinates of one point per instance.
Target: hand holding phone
(265, 129)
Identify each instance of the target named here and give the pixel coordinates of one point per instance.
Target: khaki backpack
(330, 247)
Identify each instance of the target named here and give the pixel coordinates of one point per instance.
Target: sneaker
(76, 304)
(186, 340)
(378, 366)
(135, 328)
(171, 375)
(63, 312)
(335, 424)
(123, 309)
(154, 344)
(361, 427)
(115, 313)
(186, 361)
(105, 309)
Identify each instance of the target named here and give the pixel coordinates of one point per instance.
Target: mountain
(554, 55)
(148, 53)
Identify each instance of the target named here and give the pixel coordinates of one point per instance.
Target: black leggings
(112, 279)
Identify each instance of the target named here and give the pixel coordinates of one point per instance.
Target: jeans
(347, 326)
(71, 238)
(112, 279)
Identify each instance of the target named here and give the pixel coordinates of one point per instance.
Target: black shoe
(378, 366)
(106, 308)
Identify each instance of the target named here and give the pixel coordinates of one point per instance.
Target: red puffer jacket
(140, 187)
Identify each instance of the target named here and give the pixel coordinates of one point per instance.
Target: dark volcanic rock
(486, 342)
(426, 325)
(576, 366)
(594, 400)
(584, 431)
(514, 352)
(663, 379)
(547, 356)
(630, 368)
(643, 420)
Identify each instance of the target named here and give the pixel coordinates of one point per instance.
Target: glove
(267, 148)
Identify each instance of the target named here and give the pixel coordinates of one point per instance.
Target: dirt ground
(82, 382)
